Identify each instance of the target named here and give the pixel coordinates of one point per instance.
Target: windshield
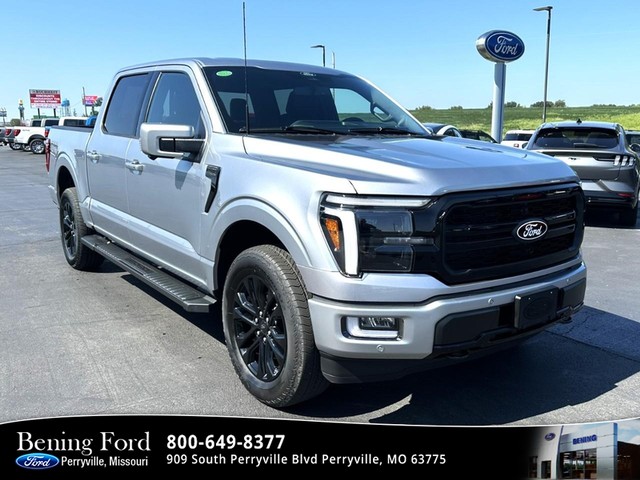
(282, 101)
(577, 138)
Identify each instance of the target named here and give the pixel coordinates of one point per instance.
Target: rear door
(107, 152)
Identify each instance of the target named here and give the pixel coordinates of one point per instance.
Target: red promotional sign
(45, 98)
(90, 100)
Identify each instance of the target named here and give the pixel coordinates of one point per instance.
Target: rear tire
(37, 146)
(629, 217)
(15, 146)
(72, 229)
(268, 330)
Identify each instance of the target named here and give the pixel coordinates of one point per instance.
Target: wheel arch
(36, 136)
(64, 180)
(248, 223)
(238, 237)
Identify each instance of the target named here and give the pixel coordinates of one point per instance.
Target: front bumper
(442, 328)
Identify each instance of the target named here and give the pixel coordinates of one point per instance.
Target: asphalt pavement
(82, 343)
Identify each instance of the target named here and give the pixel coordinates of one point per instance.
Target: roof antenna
(246, 79)
(578, 121)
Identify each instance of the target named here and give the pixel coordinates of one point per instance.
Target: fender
(254, 210)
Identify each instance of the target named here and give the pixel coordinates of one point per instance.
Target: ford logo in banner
(500, 46)
(549, 436)
(531, 230)
(37, 461)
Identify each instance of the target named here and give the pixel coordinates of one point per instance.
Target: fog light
(373, 327)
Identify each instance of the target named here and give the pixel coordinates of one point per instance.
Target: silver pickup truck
(342, 240)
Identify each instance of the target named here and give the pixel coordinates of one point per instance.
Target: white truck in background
(32, 138)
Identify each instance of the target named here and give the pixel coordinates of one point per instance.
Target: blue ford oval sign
(500, 46)
(37, 461)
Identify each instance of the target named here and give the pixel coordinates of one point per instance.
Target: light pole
(323, 53)
(546, 65)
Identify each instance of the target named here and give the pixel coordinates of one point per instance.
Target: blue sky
(421, 52)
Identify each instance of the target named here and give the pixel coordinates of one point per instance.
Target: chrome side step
(188, 297)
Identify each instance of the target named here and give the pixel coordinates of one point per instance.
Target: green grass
(530, 118)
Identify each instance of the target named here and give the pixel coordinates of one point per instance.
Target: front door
(167, 195)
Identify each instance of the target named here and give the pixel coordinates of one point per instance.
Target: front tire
(268, 330)
(72, 229)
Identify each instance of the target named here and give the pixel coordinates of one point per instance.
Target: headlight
(374, 234)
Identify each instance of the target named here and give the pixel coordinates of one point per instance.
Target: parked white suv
(517, 138)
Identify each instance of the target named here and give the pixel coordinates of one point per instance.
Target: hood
(411, 166)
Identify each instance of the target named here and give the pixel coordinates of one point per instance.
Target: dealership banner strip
(106, 446)
(88, 447)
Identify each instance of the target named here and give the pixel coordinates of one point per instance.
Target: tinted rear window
(577, 138)
(517, 137)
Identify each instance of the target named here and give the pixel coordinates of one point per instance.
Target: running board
(189, 298)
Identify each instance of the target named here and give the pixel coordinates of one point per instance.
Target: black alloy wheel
(259, 328)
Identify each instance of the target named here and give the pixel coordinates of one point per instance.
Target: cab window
(175, 102)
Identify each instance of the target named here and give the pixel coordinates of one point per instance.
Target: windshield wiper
(310, 129)
(390, 130)
(294, 129)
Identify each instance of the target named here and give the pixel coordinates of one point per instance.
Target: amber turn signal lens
(333, 228)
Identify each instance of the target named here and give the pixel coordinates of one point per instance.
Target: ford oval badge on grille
(531, 230)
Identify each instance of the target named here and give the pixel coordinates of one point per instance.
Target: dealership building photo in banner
(602, 451)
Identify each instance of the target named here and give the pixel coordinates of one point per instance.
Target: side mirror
(170, 141)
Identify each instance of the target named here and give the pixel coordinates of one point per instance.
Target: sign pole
(497, 113)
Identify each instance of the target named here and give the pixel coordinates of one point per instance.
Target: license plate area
(536, 308)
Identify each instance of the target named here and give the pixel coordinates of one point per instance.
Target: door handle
(94, 156)
(134, 166)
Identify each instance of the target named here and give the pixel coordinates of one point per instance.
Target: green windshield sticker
(224, 73)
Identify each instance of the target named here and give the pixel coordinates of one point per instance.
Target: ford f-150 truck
(343, 241)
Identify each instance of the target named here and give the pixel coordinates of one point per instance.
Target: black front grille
(476, 233)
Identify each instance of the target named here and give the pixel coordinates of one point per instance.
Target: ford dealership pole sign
(500, 46)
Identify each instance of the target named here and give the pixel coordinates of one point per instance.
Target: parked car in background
(599, 153)
(517, 138)
(10, 138)
(478, 135)
(443, 129)
(4, 131)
